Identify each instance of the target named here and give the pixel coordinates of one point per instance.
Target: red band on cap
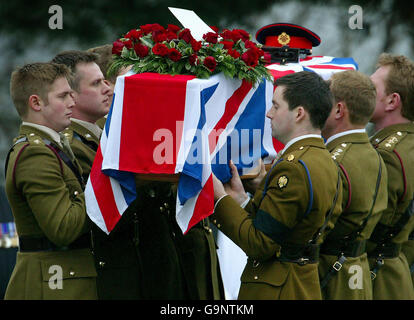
(295, 42)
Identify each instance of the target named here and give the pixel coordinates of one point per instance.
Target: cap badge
(282, 182)
(283, 38)
(291, 157)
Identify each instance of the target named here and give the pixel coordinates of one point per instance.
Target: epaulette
(295, 155)
(34, 139)
(391, 142)
(68, 133)
(339, 151)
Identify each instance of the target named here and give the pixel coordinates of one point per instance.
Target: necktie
(66, 146)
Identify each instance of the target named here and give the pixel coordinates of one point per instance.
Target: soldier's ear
(393, 101)
(35, 102)
(340, 110)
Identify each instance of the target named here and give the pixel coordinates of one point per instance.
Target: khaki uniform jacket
(263, 228)
(361, 163)
(396, 146)
(84, 145)
(47, 200)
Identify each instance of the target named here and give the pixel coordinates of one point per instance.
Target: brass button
(76, 193)
(399, 133)
(162, 209)
(37, 141)
(301, 148)
(102, 264)
(166, 205)
(255, 264)
(72, 273)
(218, 225)
(343, 145)
(87, 135)
(256, 277)
(32, 134)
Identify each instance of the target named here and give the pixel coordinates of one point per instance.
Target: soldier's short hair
(72, 58)
(309, 90)
(105, 59)
(400, 80)
(34, 78)
(357, 91)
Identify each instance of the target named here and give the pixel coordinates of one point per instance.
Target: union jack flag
(162, 124)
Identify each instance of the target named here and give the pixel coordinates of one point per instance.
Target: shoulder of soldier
(390, 142)
(340, 151)
(68, 132)
(31, 139)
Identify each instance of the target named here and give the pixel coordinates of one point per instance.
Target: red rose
(141, 50)
(211, 37)
(234, 53)
(185, 34)
(193, 59)
(210, 63)
(147, 28)
(128, 43)
(173, 28)
(159, 36)
(227, 34)
(117, 47)
(171, 35)
(251, 58)
(196, 45)
(227, 44)
(160, 49)
(174, 54)
(215, 29)
(244, 35)
(249, 44)
(133, 34)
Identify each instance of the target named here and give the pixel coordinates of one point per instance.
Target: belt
(350, 249)
(300, 254)
(29, 244)
(386, 250)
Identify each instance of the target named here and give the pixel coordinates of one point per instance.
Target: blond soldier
(394, 140)
(343, 267)
(294, 205)
(44, 188)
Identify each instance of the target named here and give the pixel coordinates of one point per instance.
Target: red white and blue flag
(162, 124)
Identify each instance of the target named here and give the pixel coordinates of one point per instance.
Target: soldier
(281, 227)
(394, 140)
(343, 267)
(44, 189)
(93, 97)
(116, 258)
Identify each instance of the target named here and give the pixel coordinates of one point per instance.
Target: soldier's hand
(218, 188)
(252, 184)
(234, 187)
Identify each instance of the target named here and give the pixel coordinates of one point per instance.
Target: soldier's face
(281, 118)
(58, 111)
(378, 78)
(94, 95)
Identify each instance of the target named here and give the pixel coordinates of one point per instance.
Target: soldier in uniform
(116, 258)
(281, 227)
(343, 266)
(44, 189)
(394, 140)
